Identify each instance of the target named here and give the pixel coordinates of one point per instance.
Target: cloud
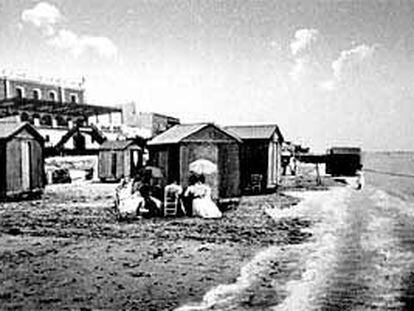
(350, 59)
(43, 15)
(304, 38)
(77, 45)
(46, 17)
(300, 48)
(349, 64)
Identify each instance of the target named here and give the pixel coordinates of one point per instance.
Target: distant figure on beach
(202, 204)
(360, 178)
(293, 166)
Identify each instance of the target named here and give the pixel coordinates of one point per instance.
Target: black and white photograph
(196, 155)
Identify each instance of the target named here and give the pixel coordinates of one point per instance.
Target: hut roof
(116, 144)
(180, 131)
(255, 131)
(8, 129)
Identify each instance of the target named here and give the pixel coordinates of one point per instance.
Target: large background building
(146, 124)
(59, 112)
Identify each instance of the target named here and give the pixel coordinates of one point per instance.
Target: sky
(328, 72)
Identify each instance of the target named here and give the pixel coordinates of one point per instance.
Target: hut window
(37, 94)
(19, 92)
(47, 138)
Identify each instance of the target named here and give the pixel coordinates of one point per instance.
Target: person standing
(360, 178)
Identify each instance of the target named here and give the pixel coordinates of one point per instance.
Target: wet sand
(67, 252)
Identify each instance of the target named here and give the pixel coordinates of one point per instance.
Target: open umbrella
(203, 166)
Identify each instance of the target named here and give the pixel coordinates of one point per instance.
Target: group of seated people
(139, 198)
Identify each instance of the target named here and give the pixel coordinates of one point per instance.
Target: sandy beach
(68, 252)
(329, 249)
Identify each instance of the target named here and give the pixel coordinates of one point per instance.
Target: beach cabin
(260, 156)
(21, 160)
(118, 159)
(343, 161)
(174, 150)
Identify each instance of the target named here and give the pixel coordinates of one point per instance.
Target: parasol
(203, 166)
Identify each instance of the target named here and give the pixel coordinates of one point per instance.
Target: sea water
(361, 256)
(386, 164)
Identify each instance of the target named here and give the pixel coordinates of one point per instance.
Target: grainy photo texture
(195, 155)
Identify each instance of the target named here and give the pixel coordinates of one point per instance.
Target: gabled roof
(8, 129)
(91, 130)
(116, 144)
(255, 131)
(180, 131)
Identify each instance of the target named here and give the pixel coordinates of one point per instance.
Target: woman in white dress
(202, 204)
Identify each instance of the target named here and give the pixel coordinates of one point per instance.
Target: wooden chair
(170, 204)
(171, 201)
(256, 183)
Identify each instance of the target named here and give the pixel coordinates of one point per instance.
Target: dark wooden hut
(21, 160)
(260, 156)
(175, 149)
(118, 159)
(343, 161)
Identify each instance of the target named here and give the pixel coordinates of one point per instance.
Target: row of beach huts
(247, 157)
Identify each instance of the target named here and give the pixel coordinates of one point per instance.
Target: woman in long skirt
(203, 205)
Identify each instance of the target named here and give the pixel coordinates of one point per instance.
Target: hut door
(26, 159)
(113, 164)
(135, 161)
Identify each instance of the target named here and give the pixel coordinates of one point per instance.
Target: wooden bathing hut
(21, 161)
(343, 161)
(260, 156)
(119, 159)
(174, 150)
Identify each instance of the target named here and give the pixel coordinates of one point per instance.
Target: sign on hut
(21, 160)
(119, 159)
(176, 149)
(260, 156)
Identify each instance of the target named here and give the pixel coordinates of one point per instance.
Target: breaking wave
(324, 210)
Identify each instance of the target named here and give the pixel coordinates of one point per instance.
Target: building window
(24, 117)
(19, 92)
(46, 120)
(61, 121)
(47, 138)
(52, 95)
(37, 94)
(73, 98)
